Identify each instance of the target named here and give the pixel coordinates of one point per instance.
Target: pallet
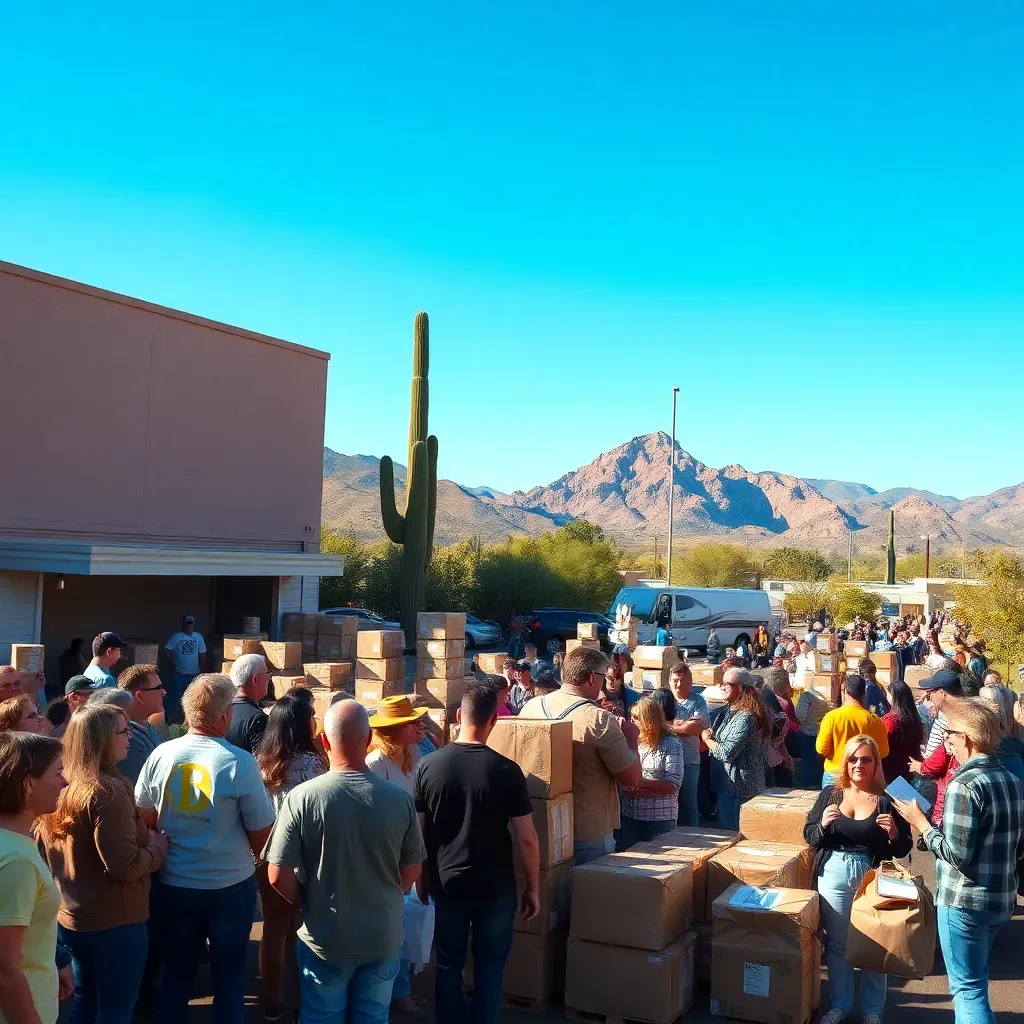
(525, 1004)
(595, 1017)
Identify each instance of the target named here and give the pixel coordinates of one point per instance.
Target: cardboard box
(134, 652)
(298, 622)
(914, 674)
(884, 677)
(616, 983)
(885, 661)
(702, 957)
(442, 693)
(336, 648)
(444, 720)
(335, 675)
(488, 663)
(380, 643)
(308, 641)
(825, 662)
(372, 691)
(441, 650)
(650, 678)
(534, 971)
(777, 816)
(587, 631)
(235, 646)
(637, 899)
(555, 896)
(707, 675)
(383, 669)
(553, 821)
(775, 865)
(542, 748)
(282, 656)
(571, 645)
(624, 636)
(856, 649)
(443, 668)
(655, 657)
(441, 626)
(766, 956)
(830, 685)
(251, 624)
(827, 642)
(225, 668)
(284, 681)
(696, 845)
(335, 625)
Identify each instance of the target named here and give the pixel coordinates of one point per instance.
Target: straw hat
(395, 711)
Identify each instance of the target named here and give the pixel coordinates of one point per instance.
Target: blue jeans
(187, 919)
(584, 853)
(827, 779)
(837, 885)
(811, 762)
(728, 815)
(966, 938)
(492, 922)
(360, 988)
(172, 698)
(403, 980)
(633, 831)
(688, 813)
(108, 968)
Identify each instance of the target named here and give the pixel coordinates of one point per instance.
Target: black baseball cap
(76, 683)
(944, 679)
(104, 642)
(188, 620)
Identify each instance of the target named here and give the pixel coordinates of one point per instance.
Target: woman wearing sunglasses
(852, 827)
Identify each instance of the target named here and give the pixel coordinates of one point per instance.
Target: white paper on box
(896, 888)
(751, 897)
(756, 978)
(756, 851)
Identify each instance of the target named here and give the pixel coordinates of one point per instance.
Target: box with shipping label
(251, 624)
(702, 959)
(587, 631)
(827, 642)
(282, 656)
(884, 661)
(655, 657)
(766, 956)
(336, 648)
(624, 636)
(298, 622)
(372, 691)
(236, 646)
(441, 650)
(779, 865)
(444, 720)
(534, 970)
(707, 675)
(637, 899)
(384, 669)
(884, 677)
(856, 649)
(778, 819)
(571, 644)
(696, 845)
(829, 684)
(441, 626)
(826, 662)
(542, 748)
(380, 643)
(555, 896)
(617, 983)
(490, 664)
(334, 625)
(335, 675)
(441, 668)
(442, 693)
(553, 821)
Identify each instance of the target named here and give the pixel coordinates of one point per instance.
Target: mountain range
(625, 492)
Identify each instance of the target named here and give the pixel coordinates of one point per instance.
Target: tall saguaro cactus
(890, 551)
(414, 530)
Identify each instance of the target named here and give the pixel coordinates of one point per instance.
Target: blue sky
(807, 215)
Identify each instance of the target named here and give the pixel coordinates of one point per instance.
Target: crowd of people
(124, 853)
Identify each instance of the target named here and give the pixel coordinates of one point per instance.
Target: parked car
(367, 620)
(549, 628)
(481, 633)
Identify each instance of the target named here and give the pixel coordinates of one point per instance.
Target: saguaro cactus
(414, 530)
(890, 551)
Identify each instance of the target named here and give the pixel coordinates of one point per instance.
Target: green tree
(380, 590)
(788, 563)
(846, 601)
(451, 577)
(588, 568)
(714, 564)
(346, 589)
(994, 609)
(910, 566)
(582, 530)
(805, 601)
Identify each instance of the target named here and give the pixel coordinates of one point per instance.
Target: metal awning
(100, 559)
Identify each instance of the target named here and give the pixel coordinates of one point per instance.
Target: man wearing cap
(939, 688)
(185, 652)
(77, 690)
(106, 653)
(522, 689)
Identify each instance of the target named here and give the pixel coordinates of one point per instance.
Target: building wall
(139, 423)
(20, 610)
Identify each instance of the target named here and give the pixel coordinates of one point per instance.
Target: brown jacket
(102, 866)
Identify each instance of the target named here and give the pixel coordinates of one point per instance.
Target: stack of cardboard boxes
(652, 666)
(28, 659)
(380, 665)
(886, 666)
(707, 675)
(441, 666)
(625, 630)
(828, 676)
(586, 636)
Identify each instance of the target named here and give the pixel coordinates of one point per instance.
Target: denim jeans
(172, 698)
(108, 968)
(966, 938)
(688, 813)
(633, 831)
(811, 762)
(728, 815)
(827, 779)
(584, 853)
(837, 885)
(187, 919)
(403, 980)
(348, 989)
(491, 921)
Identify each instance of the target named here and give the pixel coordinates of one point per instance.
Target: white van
(691, 611)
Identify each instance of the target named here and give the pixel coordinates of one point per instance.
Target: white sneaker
(833, 1017)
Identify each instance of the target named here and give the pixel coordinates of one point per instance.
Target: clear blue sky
(807, 215)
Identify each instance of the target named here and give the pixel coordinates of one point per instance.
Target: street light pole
(849, 564)
(671, 486)
(927, 538)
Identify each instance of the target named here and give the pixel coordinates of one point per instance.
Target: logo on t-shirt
(190, 788)
(187, 646)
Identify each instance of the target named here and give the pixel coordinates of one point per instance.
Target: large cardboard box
(884, 677)
(651, 678)
(534, 971)
(826, 662)
(778, 865)
(28, 657)
(702, 959)
(587, 631)
(555, 897)
(696, 845)
(856, 649)
(440, 668)
(777, 816)
(372, 691)
(442, 693)
(884, 661)
(914, 674)
(225, 668)
(707, 675)
(281, 656)
(441, 650)
(380, 643)
(829, 685)
(384, 669)
(441, 626)
(542, 748)
(553, 820)
(655, 657)
(336, 648)
(827, 642)
(284, 681)
(299, 622)
(624, 636)
(335, 675)
(490, 663)
(236, 646)
(251, 624)
(308, 641)
(137, 652)
(766, 956)
(614, 982)
(571, 645)
(444, 720)
(333, 625)
(636, 898)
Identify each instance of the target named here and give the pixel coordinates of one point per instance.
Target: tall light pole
(671, 486)
(849, 564)
(927, 538)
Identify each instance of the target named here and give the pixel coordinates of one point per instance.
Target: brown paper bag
(892, 932)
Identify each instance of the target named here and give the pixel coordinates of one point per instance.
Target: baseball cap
(189, 620)
(944, 679)
(76, 683)
(104, 642)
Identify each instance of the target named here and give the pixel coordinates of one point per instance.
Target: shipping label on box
(490, 664)
(380, 643)
(554, 824)
(434, 668)
(282, 656)
(827, 643)
(638, 899)
(441, 626)
(587, 631)
(655, 657)
(825, 662)
(372, 691)
(913, 675)
(542, 748)
(442, 693)
(236, 646)
(441, 650)
(336, 648)
(776, 865)
(623, 636)
(775, 819)
(336, 625)
(571, 644)
(555, 896)
(384, 669)
(335, 675)
(650, 679)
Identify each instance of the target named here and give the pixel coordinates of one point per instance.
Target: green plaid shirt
(981, 838)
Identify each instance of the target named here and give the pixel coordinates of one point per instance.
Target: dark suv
(549, 628)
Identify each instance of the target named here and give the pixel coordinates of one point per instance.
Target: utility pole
(849, 568)
(927, 538)
(671, 487)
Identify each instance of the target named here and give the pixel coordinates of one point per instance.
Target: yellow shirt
(29, 899)
(840, 725)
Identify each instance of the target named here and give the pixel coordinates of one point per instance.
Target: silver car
(367, 620)
(480, 633)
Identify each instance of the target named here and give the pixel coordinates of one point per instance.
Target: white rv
(691, 611)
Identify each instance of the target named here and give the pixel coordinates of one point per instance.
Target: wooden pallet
(595, 1017)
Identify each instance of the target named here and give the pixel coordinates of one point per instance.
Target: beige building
(154, 464)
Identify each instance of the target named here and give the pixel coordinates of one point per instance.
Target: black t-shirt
(467, 793)
(248, 724)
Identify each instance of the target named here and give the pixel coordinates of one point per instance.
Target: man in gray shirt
(139, 694)
(356, 839)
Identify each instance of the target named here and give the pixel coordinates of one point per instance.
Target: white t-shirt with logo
(207, 794)
(185, 649)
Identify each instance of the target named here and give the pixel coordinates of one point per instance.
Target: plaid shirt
(663, 763)
(981, 838)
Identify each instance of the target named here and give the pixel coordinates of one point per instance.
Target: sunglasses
(148, 689)
(868, 759)
(121, 732)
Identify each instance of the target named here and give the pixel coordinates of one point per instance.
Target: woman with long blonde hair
(852, 827)
(101, 855)
(651, 807)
